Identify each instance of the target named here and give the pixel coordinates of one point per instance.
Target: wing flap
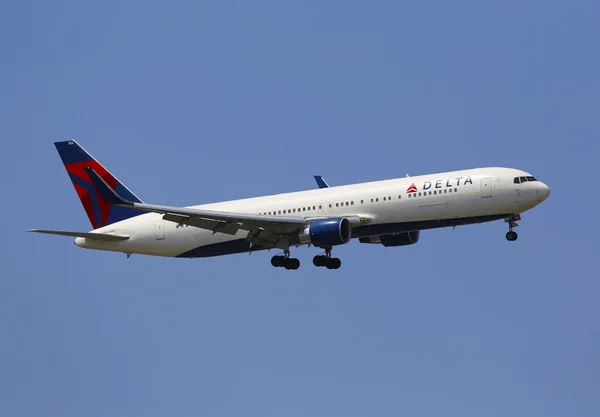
(213, 225)
(96, 236)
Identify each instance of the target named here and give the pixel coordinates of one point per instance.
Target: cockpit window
(521, 180)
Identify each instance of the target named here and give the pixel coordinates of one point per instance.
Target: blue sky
(192, 102)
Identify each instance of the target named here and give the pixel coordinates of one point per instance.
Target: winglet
(321, 182)
(107, 193)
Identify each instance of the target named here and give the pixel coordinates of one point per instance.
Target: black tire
(278, 261)
(337, 262)
(294, 263)
(511, 236)
(515, 236)
(319, 260)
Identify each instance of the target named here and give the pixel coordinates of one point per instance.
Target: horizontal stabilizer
(97, 236)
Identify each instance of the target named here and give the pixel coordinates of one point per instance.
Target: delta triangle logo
(412, 189)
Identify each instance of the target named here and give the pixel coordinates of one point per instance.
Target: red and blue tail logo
(100, 212)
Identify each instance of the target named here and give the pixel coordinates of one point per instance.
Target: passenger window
(456, 190)
(303, 208)
(383, 198)
(352, 203)
(362, 201)
(450, 190)
(419, 194)
(410, 195)
(445, 191)
(399, 197)
(346, 203)
(434, 192)
(389, 198)
(337, 204)
(429, 192)
(377, 200)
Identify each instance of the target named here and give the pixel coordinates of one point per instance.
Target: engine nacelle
(326, 233)
(395, 239)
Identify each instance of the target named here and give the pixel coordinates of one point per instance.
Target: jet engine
(326, 233)
(395, 239)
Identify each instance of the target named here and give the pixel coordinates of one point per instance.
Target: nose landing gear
(327, 261)
(512, 236)
(284, 261)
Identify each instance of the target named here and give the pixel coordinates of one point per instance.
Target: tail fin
(99, 211)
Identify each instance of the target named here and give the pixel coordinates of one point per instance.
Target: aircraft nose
(543, 191)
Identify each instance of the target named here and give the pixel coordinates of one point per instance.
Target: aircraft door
(486, 187)
(159, 230)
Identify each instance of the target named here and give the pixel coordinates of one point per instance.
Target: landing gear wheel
(292, 263)
(511, 236)
(278, 261)
(326, 260)
(334, 263)
(319, 260)
(284, 261)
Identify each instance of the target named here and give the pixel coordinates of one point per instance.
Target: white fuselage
(390, 206)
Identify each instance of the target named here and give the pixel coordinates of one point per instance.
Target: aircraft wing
(265, 230)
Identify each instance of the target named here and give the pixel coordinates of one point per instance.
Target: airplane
(390, 213)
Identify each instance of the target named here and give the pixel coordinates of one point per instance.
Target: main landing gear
(512, 236)
(327, 261)
(284, 261)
